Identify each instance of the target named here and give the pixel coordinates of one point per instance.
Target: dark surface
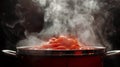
(10, 36)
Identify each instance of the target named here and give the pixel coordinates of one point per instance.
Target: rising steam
(68, 17)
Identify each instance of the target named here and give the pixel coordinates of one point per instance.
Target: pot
(62, 58)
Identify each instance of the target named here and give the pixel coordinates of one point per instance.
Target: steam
(31, 40)
(71, 17)
(68, 17)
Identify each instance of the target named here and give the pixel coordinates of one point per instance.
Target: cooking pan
(90, 57)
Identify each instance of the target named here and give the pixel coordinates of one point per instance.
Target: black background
(7, 14)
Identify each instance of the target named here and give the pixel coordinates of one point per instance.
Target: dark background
(10, 36)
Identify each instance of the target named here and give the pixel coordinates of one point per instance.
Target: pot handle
(113, 52)
(9, 52)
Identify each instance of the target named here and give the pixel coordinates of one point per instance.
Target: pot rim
(76, 52)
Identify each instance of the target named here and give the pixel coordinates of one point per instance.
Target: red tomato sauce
(61, 42)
